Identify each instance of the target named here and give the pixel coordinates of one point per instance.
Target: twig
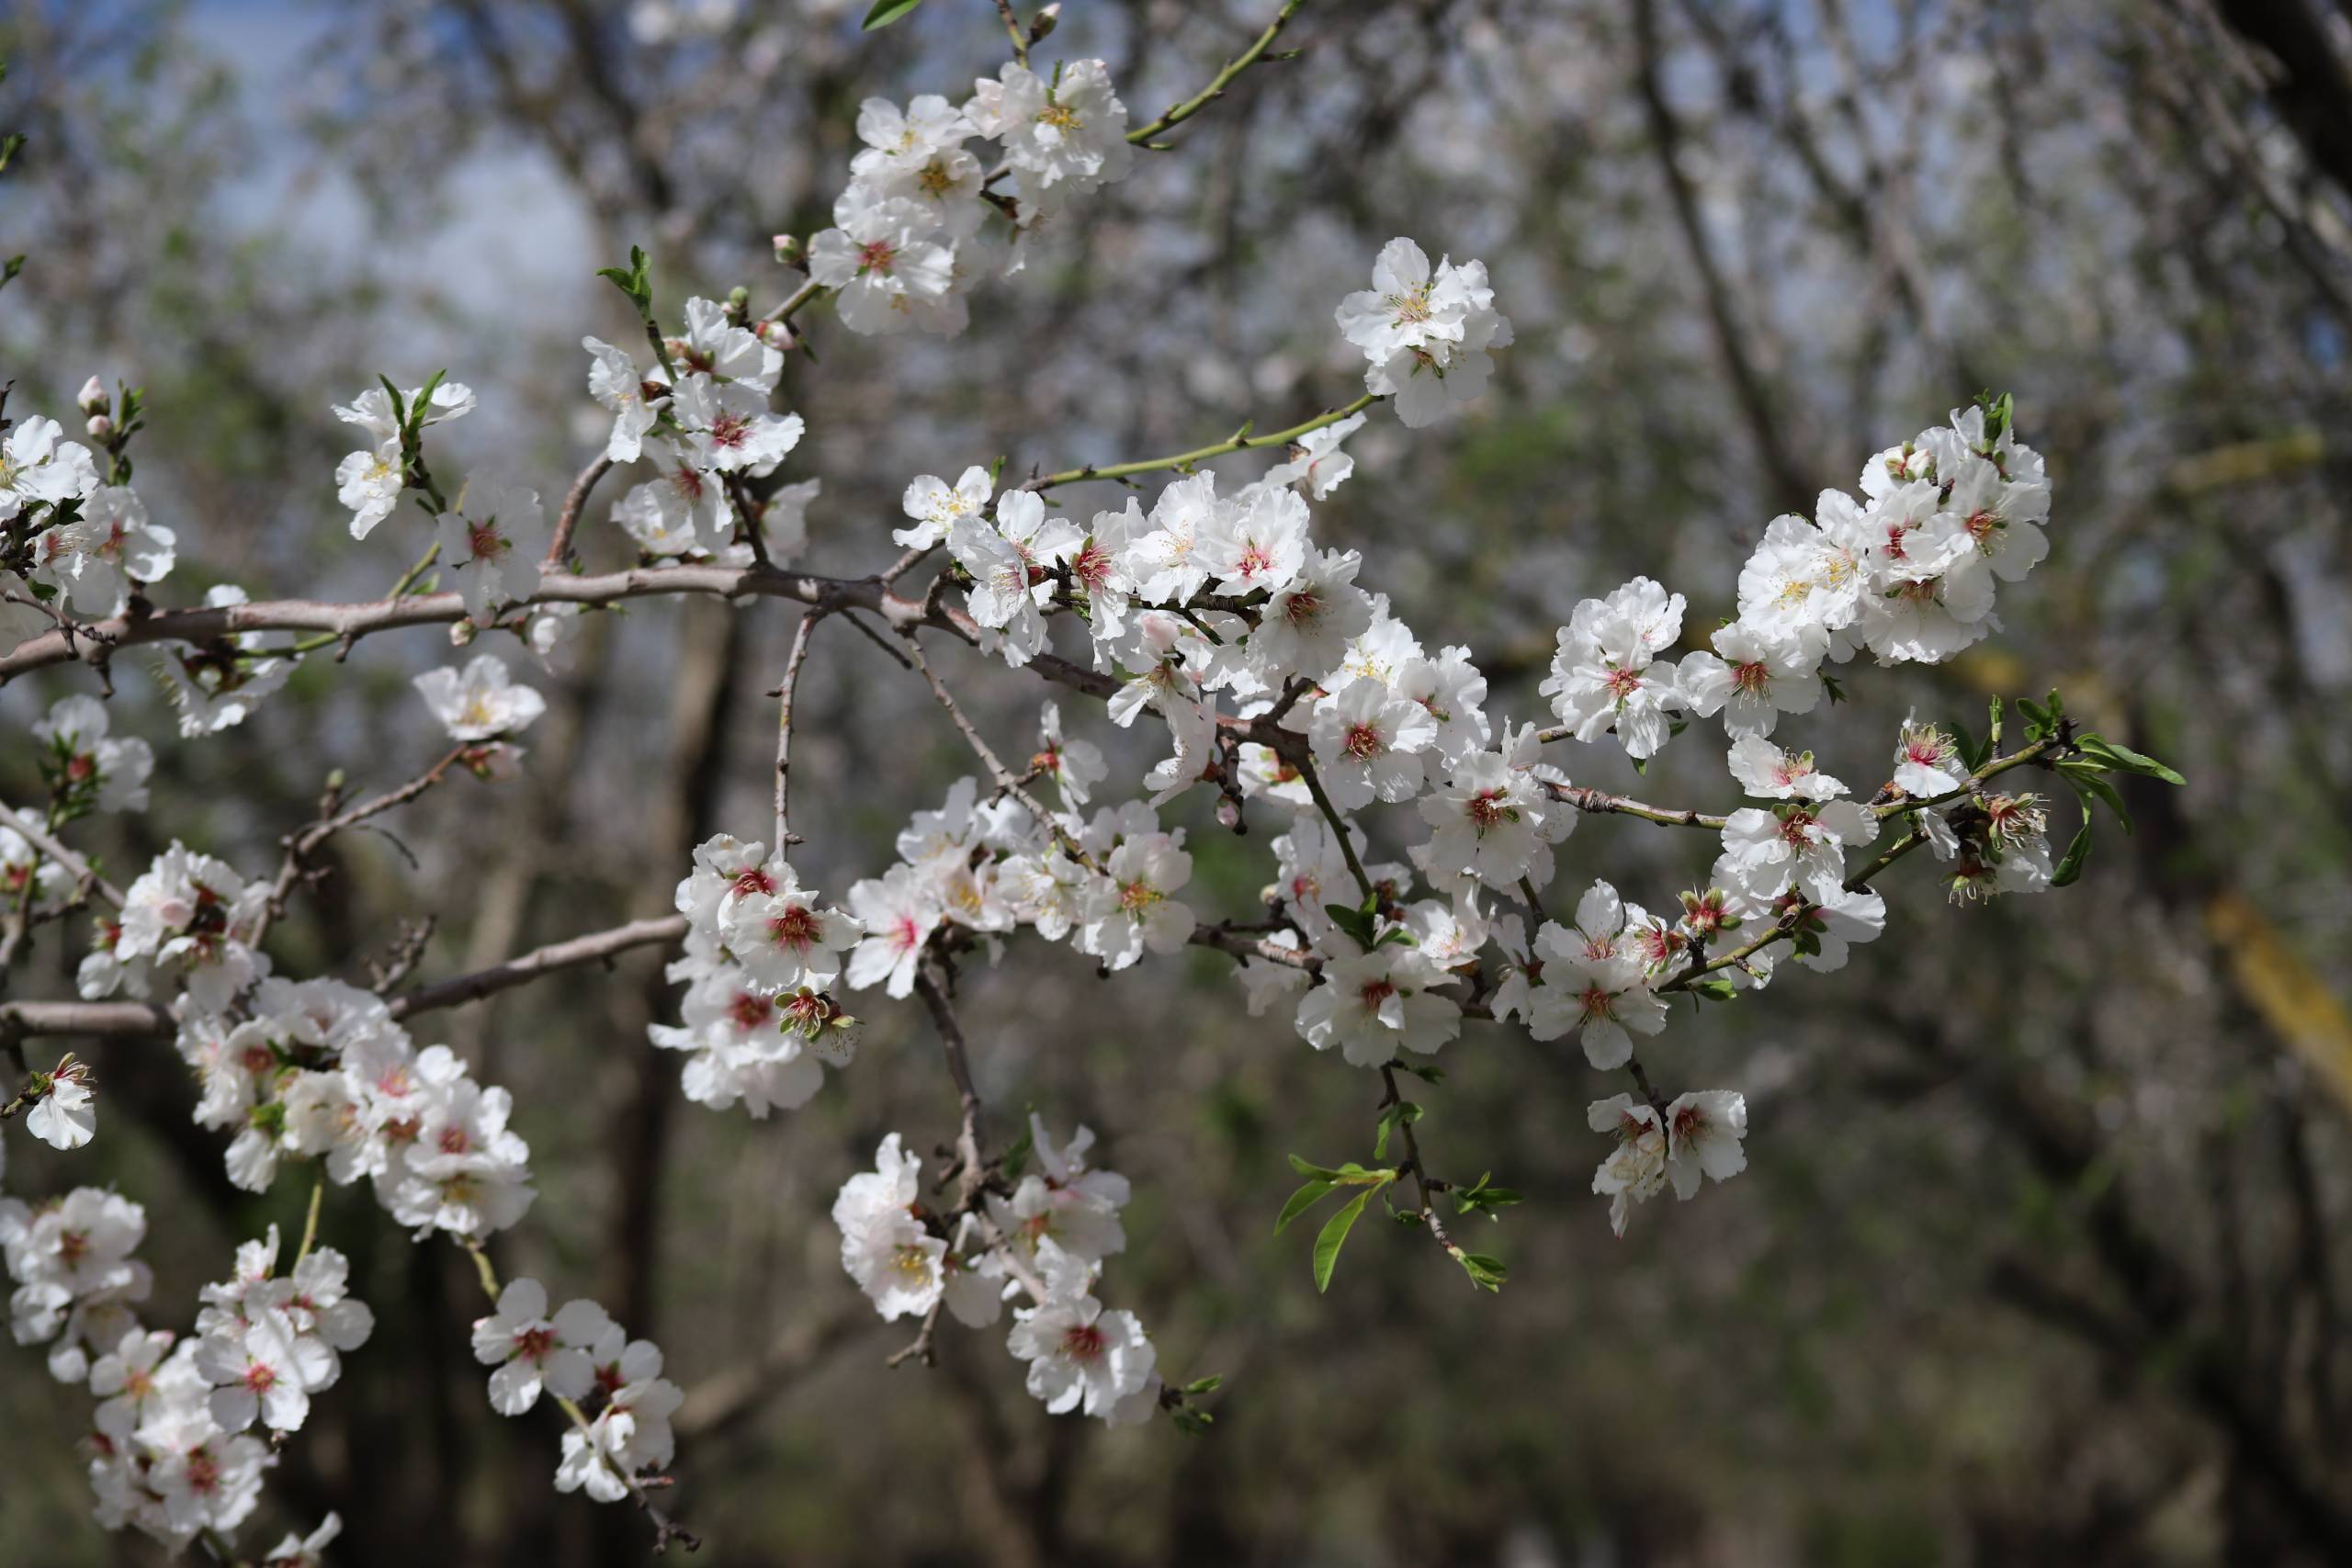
(575, 500)
(1305, 764)
(590, 948)
(133, 1019)
(40, 838)
(1141, 136)
(1007, 781)
(1597, 801)
(783, 694)
(1186, 459)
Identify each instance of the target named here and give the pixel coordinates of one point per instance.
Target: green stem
(1186, 459)
(310, 1220)
(1142, 135)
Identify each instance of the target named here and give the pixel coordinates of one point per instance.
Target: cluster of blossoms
(702, 416)
(1424, 333)
(310, 1069)
(1906, 572)
(77, 1280)
(173, 1450)
(761, 954)
(70, 536)
(580, 1356)
(1042, 1234)
(921, 222)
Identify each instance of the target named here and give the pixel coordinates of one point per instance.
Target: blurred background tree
(2042, 1255)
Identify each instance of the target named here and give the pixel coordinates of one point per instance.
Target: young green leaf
(1487, 1273)
(1970, 752)
(2089, 784)
(1334, 1235)
(1405, 1112)
(1305, 1198)
(885, 12)
(2127, 760)
(2078, 852)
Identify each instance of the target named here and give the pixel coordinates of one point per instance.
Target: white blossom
(481, 702)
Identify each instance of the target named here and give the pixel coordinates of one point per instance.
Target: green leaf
(1992, 729)
(2127, 760)
(1356, 922)
(399, 403)
(1970, 752)
(1487, 1273)
(1204, 1385)
(1481, 1196)
(1334, 1235)
(1305, 1198)
(9, 146)
(885, 12)
(634, 282)
(425, 400)
(2069, 868)
(2087, 782)
(1423, 1071)
(10, 269)
(1348, 1174)
(1716, 989)
(1405, 1112)
(1016, 1155)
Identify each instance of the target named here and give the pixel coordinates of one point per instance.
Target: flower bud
(787, 251)
(1228, 812)
(1046, 19)
(460, 633)
(101, 428)
(92, 398)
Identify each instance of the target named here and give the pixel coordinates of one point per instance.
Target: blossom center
(795, 928)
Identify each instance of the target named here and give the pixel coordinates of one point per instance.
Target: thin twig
(574, 501)
(783, 694)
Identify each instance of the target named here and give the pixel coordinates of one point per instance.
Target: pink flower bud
(92, 398)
